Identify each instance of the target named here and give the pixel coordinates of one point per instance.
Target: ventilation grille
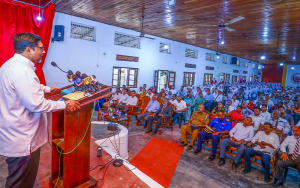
(127, 40)
(79, 31)
(191, 53)
(164, 48)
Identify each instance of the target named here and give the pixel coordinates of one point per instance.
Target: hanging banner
(127, 58)
(295, 78)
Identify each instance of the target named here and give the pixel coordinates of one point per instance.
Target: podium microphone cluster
(55, 65)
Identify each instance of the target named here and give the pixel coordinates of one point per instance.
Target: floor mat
(158, 159)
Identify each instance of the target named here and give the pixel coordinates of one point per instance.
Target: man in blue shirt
(219, 126)
(181, 91)
(246, 110)
(151, 108)
(209, 100)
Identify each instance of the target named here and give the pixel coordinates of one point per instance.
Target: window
(191, 53)
(164, 48)
(125, 76)
(245, 64)
(237, 62)
(80, 31)
(209, 57)
(207, 78)
(224, 60)
(253, 66)
(127, 40)
(259, 67)
(188, 78)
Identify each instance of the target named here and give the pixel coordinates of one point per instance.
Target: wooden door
(155, 80)
(171, 79)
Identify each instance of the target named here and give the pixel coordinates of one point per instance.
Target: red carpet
(158, 159)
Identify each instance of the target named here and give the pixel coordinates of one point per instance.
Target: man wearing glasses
(23, 129)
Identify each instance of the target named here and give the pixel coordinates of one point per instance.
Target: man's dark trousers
(22, 171)
(265, 160)
(215, 141)
(158, 122)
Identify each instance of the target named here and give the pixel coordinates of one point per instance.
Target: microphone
(55, 65)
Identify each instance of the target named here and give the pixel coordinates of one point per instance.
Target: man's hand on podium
(53, 89)
(72, 105)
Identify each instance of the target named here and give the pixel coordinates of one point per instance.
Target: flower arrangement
(111, 110)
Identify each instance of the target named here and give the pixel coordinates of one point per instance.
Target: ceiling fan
(224, 25)
(142, 35)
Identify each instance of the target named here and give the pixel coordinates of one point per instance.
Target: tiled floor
(193, 171)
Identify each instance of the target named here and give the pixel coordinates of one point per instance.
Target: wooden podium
(68, 130)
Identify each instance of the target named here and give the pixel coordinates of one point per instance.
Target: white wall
(291, 76)
(76, 54)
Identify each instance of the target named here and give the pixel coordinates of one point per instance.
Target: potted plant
(111, 111)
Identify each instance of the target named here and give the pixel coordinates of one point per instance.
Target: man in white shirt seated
(131, 101)
(229, 106)
(149, 93)
(239, 134)
(180, 108)
(269, 102)
(115, 96)
(264, 113)
(279, 123)
(173, 100)
(257, 119)
(266, 143)
(23, 123)
(166, 88)
(290, 157)
(151, 108)
(140, 91)
(122, 99)
(235, 102)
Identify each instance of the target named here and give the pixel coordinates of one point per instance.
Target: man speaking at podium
(23, 128)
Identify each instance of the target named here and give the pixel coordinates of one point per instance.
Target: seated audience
(236, 116)
(165, 110)
(290, 157)
(144, 93)
(180, 109)
(199, 100)
(122, 99)
(150, 93)
(140, 91)
(238, 135)
(166, 88)
(198, 120)
(181, 91)
(285, 116)
(246, 110)
(151, 108)
(251, 105)
(214, 112)
(266, 143)
(264, 113)
(209, 98)
(235, 102)
(190, 102)
(218, 126)
(131, 101)
(279, 123)
(257, 119)
(173, 100)
(229, 107)
(161, 92)
(115, 96)
(163, 96)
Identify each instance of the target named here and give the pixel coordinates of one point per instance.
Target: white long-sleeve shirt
(272, 139)
(123, 98)
(132, 101)
(23, 124)
(281, 125)
(240, 132)
(290, 143)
